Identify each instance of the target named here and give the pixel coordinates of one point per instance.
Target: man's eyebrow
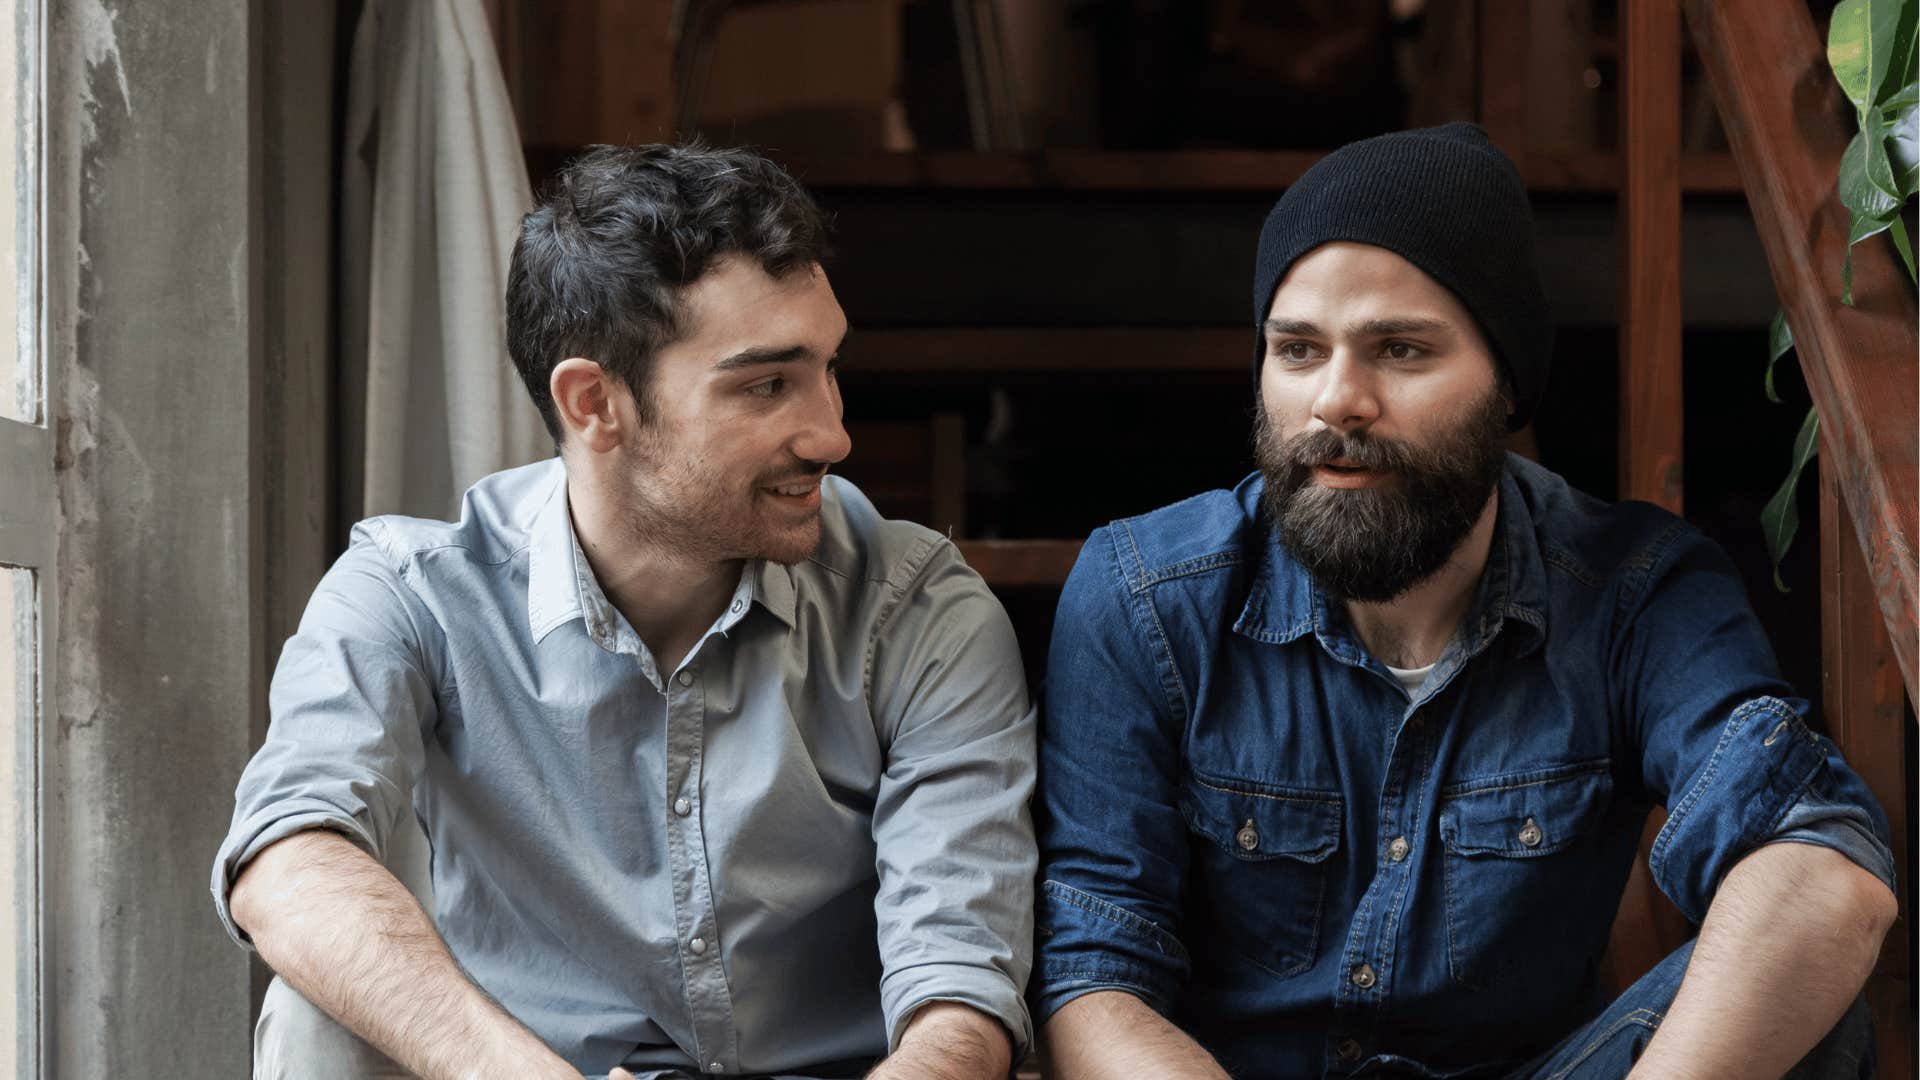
(1390, 327)
(1300, 327)
(759, 356)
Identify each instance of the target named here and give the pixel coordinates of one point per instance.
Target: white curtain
(434, 188)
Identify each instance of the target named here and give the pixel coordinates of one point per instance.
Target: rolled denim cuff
(1088, 944)
(1844, 827)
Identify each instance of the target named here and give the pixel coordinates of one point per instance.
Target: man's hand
(948, 1041)
(1789, 940)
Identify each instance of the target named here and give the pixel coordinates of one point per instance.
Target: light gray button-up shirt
(761, 862)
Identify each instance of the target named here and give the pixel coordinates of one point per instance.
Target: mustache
(1308, 450)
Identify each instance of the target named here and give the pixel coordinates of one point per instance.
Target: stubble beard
(1373, 544)
(680, 505)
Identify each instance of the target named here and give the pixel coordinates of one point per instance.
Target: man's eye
(1400, 350)
(1296, 351)
(767, 389)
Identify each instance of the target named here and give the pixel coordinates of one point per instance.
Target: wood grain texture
(1865, 709)
(1650, 386)
(1777, 102)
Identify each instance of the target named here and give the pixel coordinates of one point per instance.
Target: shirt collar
(561, 586)
(1283, 602)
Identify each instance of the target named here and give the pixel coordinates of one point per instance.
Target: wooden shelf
(976, 350)
(1014, 563)
(1266, 171)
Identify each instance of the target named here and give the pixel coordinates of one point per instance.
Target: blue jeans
(1607, 1045)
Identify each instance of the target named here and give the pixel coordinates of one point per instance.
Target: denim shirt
(760, 861)
(1246, 820)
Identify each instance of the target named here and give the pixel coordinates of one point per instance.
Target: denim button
(697, 946)
(1348, 1050)
(1530, 833)
(686, 678)
(713, 1066)
(1397, 850)
(1363, 976)
(682, 807)
(1248, 837)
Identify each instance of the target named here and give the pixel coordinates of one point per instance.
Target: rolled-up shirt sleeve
(1724, 745)
(953, 836)
(1113, 843)
(349, 700)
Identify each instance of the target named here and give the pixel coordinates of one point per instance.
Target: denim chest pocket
(1260, 860)
(1520, 859)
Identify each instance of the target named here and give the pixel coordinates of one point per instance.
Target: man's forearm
(1112, 1033)
(1790, 938)
(350, 938)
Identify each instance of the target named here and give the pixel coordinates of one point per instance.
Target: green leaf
(1857, 192)
(1780, 519)
(1902, 245)
(1848, 51)
(1779, 344)
(1903, 150)
(1873, 128)
(1892, 48)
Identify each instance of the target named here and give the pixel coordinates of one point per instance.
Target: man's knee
(296, 1041)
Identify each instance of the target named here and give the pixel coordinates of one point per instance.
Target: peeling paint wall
(152, 209)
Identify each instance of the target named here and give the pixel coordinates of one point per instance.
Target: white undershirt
(1411, 678)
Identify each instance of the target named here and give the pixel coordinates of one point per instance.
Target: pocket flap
(1523, 815)
(1256, 822)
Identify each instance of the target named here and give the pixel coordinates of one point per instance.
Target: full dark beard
(1372, 544)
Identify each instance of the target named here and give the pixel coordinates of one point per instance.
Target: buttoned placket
(709, 998)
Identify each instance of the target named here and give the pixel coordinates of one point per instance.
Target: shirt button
(1248, 837)
(1397, 850)
(682, 807)
(738, 605)
(1363, 976)
(713, 1066)
(1530, 833)
(697, 946)
(1348, 1050)
(686, 678)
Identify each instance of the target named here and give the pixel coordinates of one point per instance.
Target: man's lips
(1344, 473)
(805, 493)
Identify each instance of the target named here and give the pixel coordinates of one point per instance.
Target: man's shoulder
(495, 521)
(1213, 531)
(1590, 540)
(859, 545)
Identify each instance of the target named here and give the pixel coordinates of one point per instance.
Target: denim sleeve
(1113, 844)
(347, 704)
(952, 834)
(1724, 745)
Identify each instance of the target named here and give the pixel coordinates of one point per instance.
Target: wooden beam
(1257, 171)
(1650, 390)
(1098, 350)
(1865, 706)
(1777, 102)
(1503, 78)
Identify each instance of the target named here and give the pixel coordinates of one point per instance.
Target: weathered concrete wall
(153, 209)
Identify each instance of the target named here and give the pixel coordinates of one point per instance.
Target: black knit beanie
(1449, 202)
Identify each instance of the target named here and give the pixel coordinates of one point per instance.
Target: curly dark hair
(601, 262)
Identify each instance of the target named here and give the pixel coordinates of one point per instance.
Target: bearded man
(1343, 770)
(723, 773)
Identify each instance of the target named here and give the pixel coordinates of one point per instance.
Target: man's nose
(824, 438)
(1346, 401)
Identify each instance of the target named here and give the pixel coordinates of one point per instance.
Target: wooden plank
(1261, 171)
(1865, 706)
(1016, 563)
(949, 479)
(1503, 76)
(974, 350)
(1650, 390)
(1862, 363)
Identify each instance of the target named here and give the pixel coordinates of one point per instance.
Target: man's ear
(585, 398)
